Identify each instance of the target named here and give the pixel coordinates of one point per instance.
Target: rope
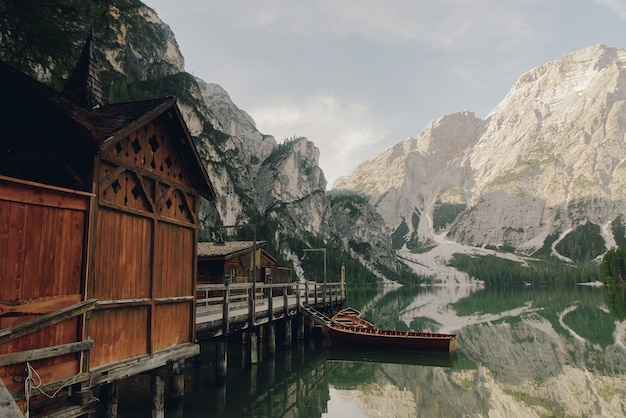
(33, 382)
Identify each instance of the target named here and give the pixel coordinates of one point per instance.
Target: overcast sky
(357, 76)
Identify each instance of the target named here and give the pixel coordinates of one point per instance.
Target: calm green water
(520, 353)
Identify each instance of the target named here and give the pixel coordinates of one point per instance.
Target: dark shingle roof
(226, 250)
(102, 126)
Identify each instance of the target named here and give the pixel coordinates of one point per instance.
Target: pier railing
(221, 308)
(213, 297)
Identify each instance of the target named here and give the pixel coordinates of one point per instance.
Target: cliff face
(280, 187)
(548, 159)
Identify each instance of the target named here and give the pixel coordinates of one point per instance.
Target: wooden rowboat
(349, 312)
(390, 339)
(351, 318)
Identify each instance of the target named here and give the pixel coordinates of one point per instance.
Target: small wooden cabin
(98, 233)
(232, 259)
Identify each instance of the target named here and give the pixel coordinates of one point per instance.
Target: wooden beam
(28, 327)
(8, 407)
(124, 369)
(47, 352)
(122, 303)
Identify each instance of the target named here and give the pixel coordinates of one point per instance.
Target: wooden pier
(223, 309)
(234, 309)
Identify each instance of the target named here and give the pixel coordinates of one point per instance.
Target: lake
(520, 353)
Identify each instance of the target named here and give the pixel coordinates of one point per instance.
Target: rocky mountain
(278, 187)
(548, 160)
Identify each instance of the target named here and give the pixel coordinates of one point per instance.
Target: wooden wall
(145, 251)
(42, 270)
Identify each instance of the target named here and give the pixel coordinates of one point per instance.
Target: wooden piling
(254, 347)
(221, 360)
(109, 396)
(300, 330)
(177, 383)
(157, 398)
(288, 338)
(271, 339)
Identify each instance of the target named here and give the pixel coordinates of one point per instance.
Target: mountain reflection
(520, 353)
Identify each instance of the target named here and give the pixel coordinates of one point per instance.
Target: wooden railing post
(286, 301)
(226, 305)
(315, 292)
(251, 307)
(306, 293)
(270, 302)
(297, 294)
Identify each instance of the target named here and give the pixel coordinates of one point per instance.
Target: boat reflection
(409, 357)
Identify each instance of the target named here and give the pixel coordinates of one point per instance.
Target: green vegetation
(615, 300)
(496, 271)
(591, 323)
(397, 236)
(613, 266)
(545, 251)
(582, 244)
(405, 275)
(445, 213)
(350, 200)
(619, 230)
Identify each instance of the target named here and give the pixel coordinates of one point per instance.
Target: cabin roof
(227, 249)
(102, 126)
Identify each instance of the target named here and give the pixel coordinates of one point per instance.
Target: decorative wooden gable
(144, 172)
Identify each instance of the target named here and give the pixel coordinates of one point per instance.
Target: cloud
(616, 6)
(346, 133)
(446, 23)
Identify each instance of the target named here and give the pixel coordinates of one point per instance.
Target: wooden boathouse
(98, 232)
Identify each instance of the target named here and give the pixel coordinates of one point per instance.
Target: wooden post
(300, 329)
(271, 339)
(157, 385)
(306, 293)
(245, 349)
(177, 388)
(285, 303)
(287, 341)
(254, 347)
(251, 308)
(298, 301)
(221, 360)
(288, 360)
(309, 326)
(225, 306)
(109, 396)
(254, 374)
(270, 301)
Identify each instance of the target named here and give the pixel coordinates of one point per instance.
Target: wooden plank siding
(42, 248)
(145, 251)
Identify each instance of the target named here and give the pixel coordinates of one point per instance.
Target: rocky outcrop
(291, 189)
(549, 158)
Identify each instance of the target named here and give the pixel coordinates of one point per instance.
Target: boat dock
(222, 309)
(225, 309)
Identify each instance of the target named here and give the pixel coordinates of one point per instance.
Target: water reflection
(527, 352)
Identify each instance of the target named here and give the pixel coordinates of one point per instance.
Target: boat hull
(388, 339)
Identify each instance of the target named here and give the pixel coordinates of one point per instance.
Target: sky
(358, 76)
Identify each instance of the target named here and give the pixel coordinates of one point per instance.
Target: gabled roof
(227, 249)
(100, 127)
